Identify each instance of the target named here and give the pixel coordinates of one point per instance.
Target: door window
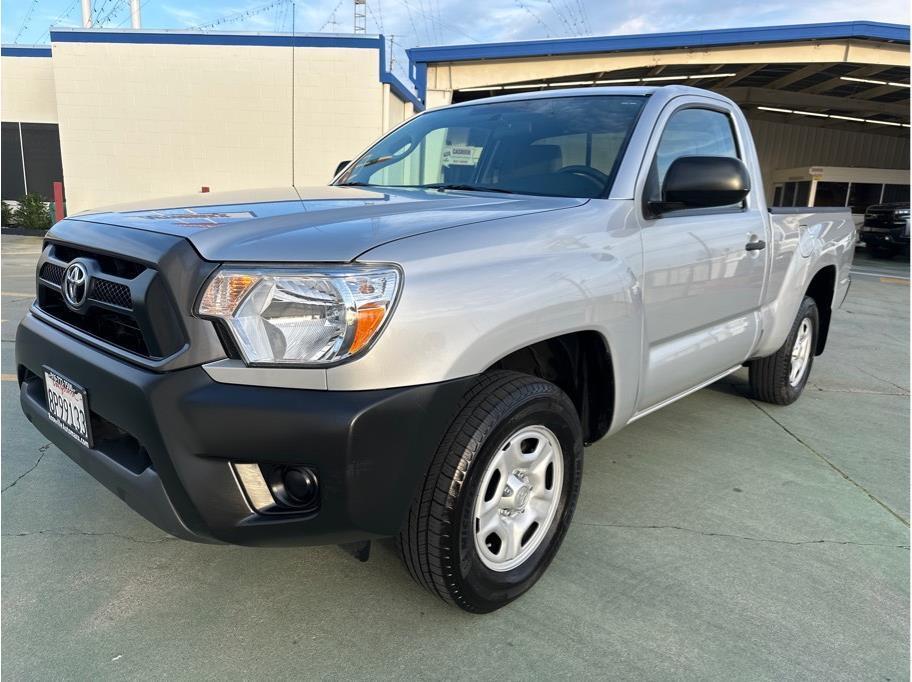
(694, 132)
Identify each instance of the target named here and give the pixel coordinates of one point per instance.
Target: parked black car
(886, 229)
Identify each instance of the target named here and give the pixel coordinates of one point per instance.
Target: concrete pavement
(719, 537)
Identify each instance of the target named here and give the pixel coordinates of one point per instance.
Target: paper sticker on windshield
(460, 155)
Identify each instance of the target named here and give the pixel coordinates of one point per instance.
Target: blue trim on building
(242, 39)
(80, 35)
(420, 57)
(21, 51)
(396, 85)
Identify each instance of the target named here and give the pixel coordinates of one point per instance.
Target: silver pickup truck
(422, 349)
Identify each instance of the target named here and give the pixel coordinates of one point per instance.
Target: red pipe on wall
(58, 201)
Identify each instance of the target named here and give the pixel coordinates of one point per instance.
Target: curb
(22, 231)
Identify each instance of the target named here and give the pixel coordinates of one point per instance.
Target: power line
(98, 11)
(584, 13)
(575, 10)
(127, 18)
(560, 16)
(432, 30)
(331, 17)
(451, 27)
(114, 11)
(63, 15)
(377, 21)
(572, 18)
(535, 16)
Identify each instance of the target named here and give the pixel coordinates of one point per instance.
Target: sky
(409, 23)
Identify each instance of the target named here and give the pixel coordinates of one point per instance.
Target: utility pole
(134, 13)
(87, 13)
(360, 16)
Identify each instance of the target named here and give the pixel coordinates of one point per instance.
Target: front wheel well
(580, 364)
(822, 289)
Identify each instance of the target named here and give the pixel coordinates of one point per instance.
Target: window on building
(864, 194)
(892, 193)
(802, 193)
(40, 145)
(788, 194)
(831, 194)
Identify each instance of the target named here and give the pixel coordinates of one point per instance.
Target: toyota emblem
(75, 285)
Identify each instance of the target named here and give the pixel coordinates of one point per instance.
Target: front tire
(780, 378)
(499, 495)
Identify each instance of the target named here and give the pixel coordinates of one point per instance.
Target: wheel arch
(580, 363)
(822, 288)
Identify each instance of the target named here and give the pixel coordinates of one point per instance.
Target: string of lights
(240, 16)
(331, 18)
(26, 20)
(113, 12)
(523, 6)
(63, 15)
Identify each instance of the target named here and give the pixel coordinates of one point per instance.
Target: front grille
(53, 273)
(114, 327)
(127, 305)
(109, 265)
(111, 292)
(103, 290)
(883, 217)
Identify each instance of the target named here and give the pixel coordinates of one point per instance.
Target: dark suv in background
(886, 229)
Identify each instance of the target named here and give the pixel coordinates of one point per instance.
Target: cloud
(183, 16)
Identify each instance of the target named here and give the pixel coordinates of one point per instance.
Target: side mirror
(703, 182)
(341, 165)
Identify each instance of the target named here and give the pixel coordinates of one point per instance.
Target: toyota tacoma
(422, 349)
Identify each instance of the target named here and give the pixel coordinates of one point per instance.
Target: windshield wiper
(354, 184)
(464, 187)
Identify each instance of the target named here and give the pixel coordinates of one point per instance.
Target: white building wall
(338, 110)
(148, 120)
(27, 90)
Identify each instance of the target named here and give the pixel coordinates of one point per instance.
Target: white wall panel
(785, 145)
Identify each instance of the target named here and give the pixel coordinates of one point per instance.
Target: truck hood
(319, 224)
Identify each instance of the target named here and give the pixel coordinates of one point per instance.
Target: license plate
(68, 406)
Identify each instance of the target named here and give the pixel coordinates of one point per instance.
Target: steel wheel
(801, 352)
(518, 498)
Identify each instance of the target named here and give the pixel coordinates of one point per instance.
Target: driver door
(702, 288)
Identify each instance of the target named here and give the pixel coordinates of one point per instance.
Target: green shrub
(7, 215)
(32, 212)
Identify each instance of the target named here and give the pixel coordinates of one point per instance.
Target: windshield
(561, 147)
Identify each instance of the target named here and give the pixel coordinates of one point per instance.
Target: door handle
(755, 246)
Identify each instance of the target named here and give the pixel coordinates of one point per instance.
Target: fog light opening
(300, 487)
(279, 488)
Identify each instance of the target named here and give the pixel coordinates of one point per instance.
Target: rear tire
(506, 425)
(781, 377)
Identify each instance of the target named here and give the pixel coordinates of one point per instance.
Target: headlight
(301, 316)
(902, 212)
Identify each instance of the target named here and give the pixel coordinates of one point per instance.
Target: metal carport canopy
(855, 70)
